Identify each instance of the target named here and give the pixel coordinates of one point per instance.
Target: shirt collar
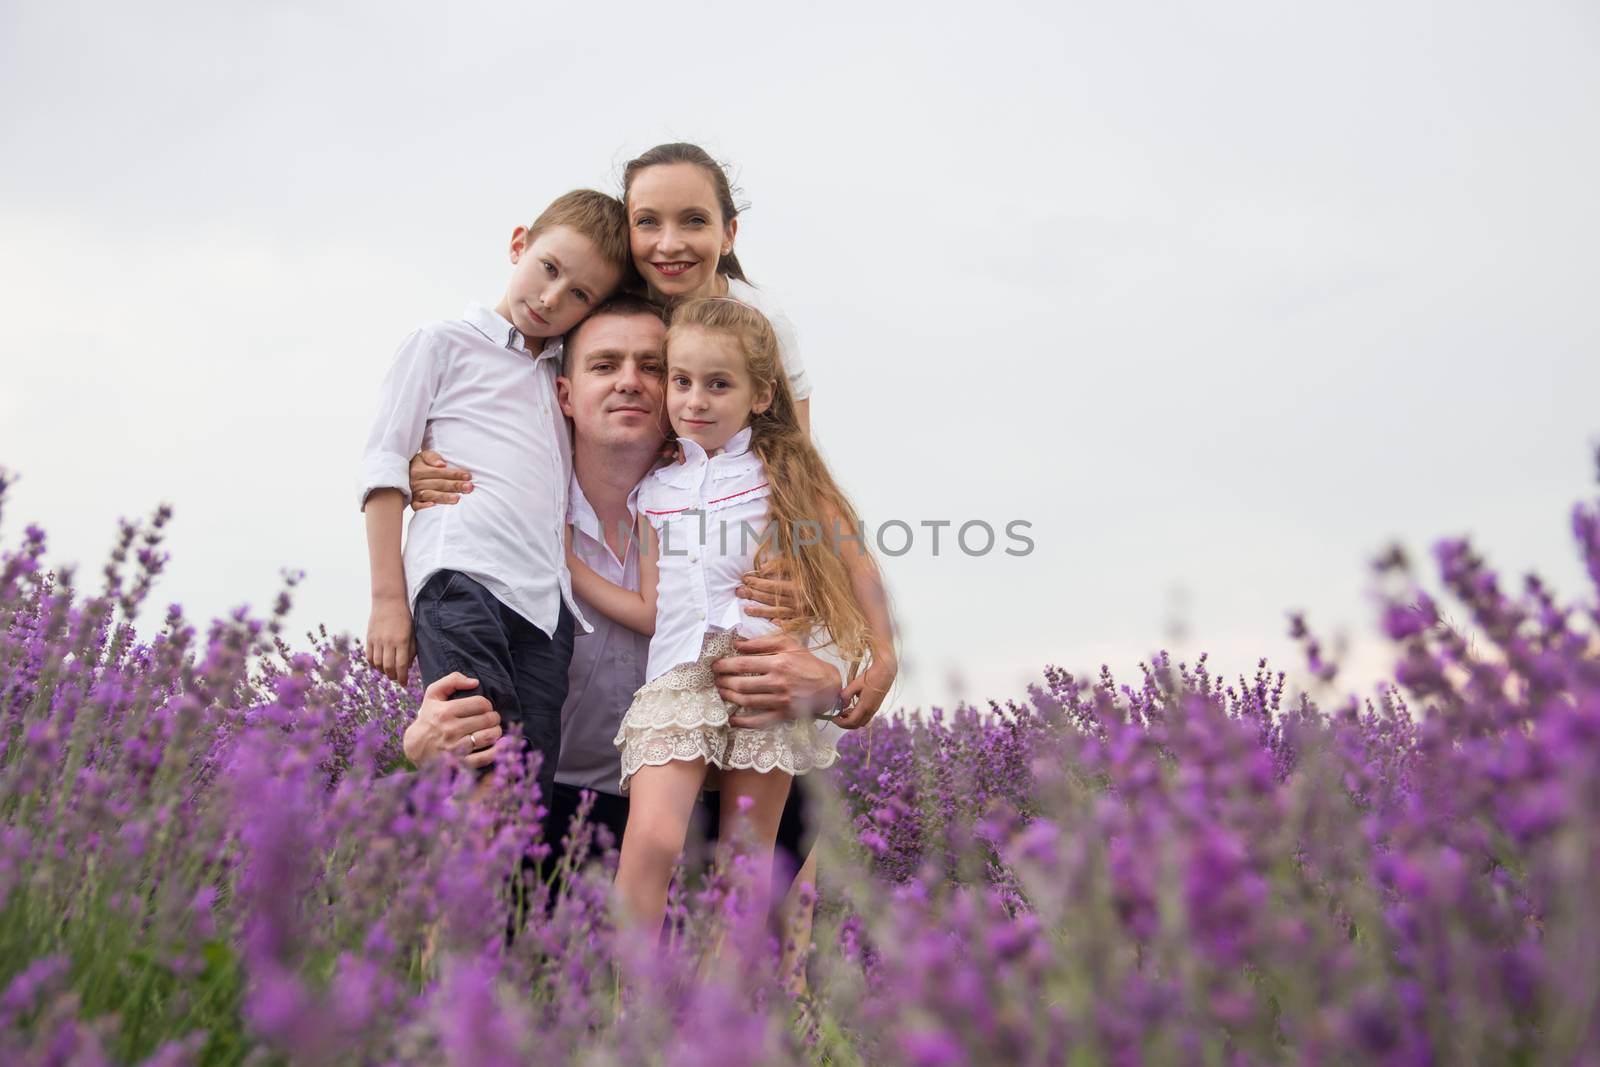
(694, 455)
(493, 326)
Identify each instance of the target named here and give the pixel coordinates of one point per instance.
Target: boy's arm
(404, 401)
(636, 611)
(391, 645)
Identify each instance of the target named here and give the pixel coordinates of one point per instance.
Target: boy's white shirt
(471, 389)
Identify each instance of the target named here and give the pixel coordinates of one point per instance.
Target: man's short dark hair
(618, 303)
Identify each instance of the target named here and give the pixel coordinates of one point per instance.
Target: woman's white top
(709, 515)
(788, 343)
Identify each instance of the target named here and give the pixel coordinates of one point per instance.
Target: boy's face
(557, 278)
(613, 385)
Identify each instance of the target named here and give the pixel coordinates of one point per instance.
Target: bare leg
(662, 801)
(798, 911)
(756, 830)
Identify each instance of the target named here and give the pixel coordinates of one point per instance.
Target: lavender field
(211, 851)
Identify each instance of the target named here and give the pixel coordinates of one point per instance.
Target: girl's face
(677, 231)
(710, 394)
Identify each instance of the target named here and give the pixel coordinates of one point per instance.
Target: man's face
(613, 386)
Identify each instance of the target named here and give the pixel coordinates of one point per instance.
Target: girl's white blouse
(709, 515)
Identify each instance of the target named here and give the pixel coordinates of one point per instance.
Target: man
(611, 388)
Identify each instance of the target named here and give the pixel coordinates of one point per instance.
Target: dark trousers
(460, 626)
(609, 810)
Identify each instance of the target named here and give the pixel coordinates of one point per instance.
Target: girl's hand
(391, 645)
(866, 694)
(770, 595)
(433, 481)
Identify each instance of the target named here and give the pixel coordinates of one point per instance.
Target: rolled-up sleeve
(404, 400)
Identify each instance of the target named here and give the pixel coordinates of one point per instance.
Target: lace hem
(796, 748)
(657, 748)
(680, 716)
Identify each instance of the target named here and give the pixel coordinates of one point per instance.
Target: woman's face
(677, 232)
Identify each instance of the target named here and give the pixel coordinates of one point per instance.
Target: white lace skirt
(679, 716)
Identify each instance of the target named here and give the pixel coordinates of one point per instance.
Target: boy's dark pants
(460, 626)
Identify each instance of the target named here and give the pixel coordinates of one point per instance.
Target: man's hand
(864, 696)
(468, 727)
(433, 481)
(775, 678)
(391, 646)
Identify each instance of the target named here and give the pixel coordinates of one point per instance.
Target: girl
(748, 486)
(681, 225)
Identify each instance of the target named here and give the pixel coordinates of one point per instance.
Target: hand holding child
(433, 481)
(468, 726)
(769, 591)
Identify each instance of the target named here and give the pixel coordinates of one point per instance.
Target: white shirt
(471, 389)
(607, 664)
(788, 342)
(709, 515)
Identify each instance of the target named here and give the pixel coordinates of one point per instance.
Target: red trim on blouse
(720, 499)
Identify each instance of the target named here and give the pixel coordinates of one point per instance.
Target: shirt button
(694, 558)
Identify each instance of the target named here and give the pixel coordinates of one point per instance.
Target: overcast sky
(1221, 298)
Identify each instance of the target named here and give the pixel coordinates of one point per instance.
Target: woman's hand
(433, 481)
(391, 644)
(769, 592)
(863, 696)
(469, 727)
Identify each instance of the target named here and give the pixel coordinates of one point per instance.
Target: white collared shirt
(471, 389)
(709, 515)
(607, 664)
(788, 340)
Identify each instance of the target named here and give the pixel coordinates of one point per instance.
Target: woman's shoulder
(760, 299)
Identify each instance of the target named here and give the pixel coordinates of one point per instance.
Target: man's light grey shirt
(607, 663)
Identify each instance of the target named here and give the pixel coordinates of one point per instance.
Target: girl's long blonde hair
(804, 501)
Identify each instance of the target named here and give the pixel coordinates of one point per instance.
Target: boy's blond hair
(600, 218)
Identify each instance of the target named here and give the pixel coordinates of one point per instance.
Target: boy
(486, 582)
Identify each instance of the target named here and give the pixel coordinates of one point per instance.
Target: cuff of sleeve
(385, 470)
